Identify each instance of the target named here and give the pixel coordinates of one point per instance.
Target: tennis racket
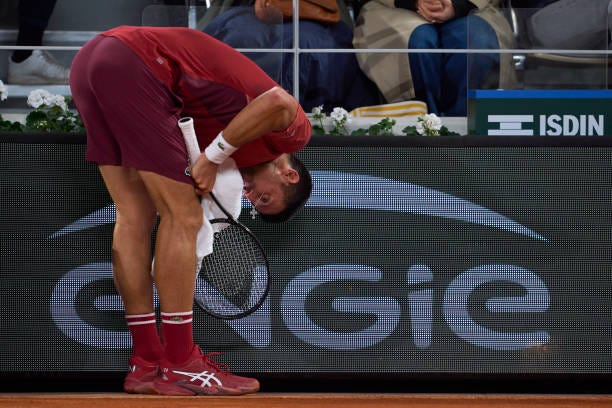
(233, 280)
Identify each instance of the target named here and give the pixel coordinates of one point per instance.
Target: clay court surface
(303, 400)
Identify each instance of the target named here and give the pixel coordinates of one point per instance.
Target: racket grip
(191, 141)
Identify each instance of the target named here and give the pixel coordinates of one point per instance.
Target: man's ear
(291, 176)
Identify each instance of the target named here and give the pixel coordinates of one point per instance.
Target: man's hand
(272, 111)
(204, 174)
(436, 11)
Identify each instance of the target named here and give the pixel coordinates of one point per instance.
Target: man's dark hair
(296, 194)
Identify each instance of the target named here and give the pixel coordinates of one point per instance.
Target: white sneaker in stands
(38, 69)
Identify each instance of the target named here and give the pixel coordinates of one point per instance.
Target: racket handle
(191, 141)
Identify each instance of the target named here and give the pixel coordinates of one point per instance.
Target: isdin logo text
(546, 125)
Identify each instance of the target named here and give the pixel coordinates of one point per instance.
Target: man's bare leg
(135, 220)
(138, 196)
(180, 218)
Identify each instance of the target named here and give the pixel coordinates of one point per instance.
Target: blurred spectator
(325, 78)
(34, 67)
(439, 79)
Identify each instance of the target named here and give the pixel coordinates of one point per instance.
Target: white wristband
(219, 149)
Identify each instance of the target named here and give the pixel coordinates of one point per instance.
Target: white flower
(419, 127)
(57, 100)
(38, 98)
(340, 115)
(428, 125)
(317, 110)
(432, 122)
(42, 98)
(3, 91)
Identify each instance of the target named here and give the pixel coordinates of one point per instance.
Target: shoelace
(214, 363)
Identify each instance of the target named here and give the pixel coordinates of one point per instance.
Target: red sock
(145, 340)
(178, 335)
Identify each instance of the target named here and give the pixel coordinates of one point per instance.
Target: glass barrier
(177, 15)
(363, 60)
(563, 45)
(270, 46)
(556, 79)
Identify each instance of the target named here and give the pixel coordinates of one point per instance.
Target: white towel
(228, 190)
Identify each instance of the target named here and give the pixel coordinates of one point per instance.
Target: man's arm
(274, 110)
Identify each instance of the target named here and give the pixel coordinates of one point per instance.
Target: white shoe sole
(35, 80)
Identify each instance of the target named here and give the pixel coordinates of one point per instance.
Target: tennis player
(130, 86)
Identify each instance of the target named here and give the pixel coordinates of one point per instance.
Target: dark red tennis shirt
(212, 82)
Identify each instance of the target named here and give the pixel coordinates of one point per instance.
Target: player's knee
(190, 221)
(140, 223)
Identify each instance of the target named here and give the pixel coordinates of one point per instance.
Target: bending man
(131, 85)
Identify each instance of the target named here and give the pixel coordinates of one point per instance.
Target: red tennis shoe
(140, 378)
(201, 375)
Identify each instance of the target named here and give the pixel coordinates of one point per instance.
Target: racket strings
(233, 278)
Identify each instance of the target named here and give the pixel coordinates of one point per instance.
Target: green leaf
(386, 126)
(410, 131)
(34, 119)
(359, 132)
(8, 126)
(444, 131)
(374, 130)
(318, 130)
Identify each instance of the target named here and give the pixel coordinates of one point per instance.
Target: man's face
(264, 188)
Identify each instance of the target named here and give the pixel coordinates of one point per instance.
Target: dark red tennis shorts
(130, 116)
